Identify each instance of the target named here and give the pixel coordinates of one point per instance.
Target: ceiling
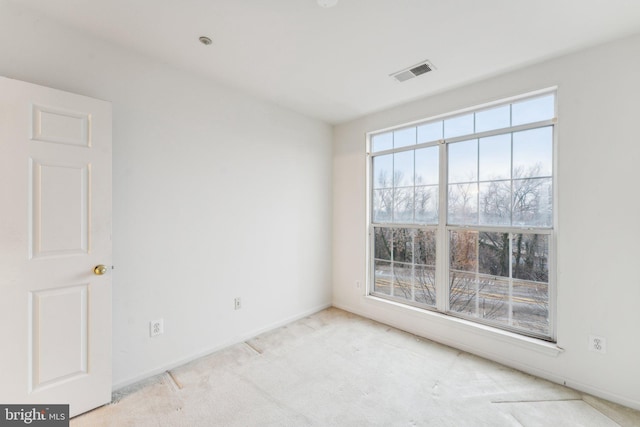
(334, 63)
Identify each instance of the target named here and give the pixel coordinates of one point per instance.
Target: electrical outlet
(237, 304)
(156, 327)
(597, 344)
(357, 284)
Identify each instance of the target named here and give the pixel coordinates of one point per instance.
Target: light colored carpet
(338, 369)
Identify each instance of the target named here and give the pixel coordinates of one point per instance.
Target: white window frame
(443, 229)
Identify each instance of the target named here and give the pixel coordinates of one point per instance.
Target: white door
(55, 227)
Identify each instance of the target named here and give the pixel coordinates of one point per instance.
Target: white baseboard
(515, 364)
(167, 367)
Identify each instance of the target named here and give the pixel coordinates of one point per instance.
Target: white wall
(597, 231)
(216, 195)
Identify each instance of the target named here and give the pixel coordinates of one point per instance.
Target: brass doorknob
(99, 270)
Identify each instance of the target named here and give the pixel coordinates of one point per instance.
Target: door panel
(64, 127)
(58, 316)
(55, 227)
(59, 209)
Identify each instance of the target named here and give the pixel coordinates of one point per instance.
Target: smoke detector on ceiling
(414, 71)
(327, 3)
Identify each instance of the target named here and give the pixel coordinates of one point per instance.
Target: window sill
(533, 344)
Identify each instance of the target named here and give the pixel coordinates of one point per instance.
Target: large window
(462, 214)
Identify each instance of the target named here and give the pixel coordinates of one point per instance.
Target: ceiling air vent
(415, 71)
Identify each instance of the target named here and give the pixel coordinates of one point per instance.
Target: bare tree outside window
(501, 277)
(410, 274)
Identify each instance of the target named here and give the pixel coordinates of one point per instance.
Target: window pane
(382, 276)
(404, 137)
(402, 281)
(495, 203)
(430, 132)
(493, 254)
(425, 247)
(426, 205)
(425, 285)
(463, 292)
(530, 257)
(533, 110)
(533, 153)
(463, 204)
(531, 306)
(403, 169)
(493, 299)
(382, 141)
(532, 202)
(427, 169)
(458, 126)
(403, 245)
(495, 157)
(383, 171)
(403, 204)
(382, 243)
(492, 294)
(382, 205)
(495, 118)
(463, 161)
(463, 250)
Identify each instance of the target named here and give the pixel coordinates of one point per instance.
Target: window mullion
(510, 314)
(413, 265)
(442, 240)
(477, 279)
(393, 264)
(477, 183)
